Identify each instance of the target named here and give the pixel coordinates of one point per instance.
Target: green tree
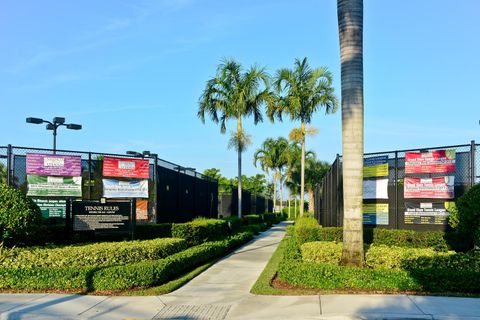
(272, 155)
(224, 184)
(300, 92)
(350, 26)
(231, 95)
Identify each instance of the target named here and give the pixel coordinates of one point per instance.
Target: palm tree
(300, 92)
(315, 170)
(350, 25)
(231, 95)
(272, 155)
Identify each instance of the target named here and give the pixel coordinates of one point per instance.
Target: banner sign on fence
(46, 186)
(54, 165)
(430, 162)
(126, 167)
(433, 188)
(375, 167)
(52, 208)
(375, 189)
(110, 217)
(125, 189)
(142, 209)
(375, 213)
(427, 213)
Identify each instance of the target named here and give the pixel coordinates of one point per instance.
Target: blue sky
(131, 72)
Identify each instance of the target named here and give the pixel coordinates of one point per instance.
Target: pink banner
(430, 188)
(54, 165)
(430, 162)
(126, 167)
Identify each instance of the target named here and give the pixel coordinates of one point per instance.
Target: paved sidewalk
(222, 292)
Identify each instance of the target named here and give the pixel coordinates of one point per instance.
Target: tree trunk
(239, 129)
(302, 172)
(295, 199)
(274, 191)
(289, 206)
(350, 25)
(281, 193)
(311, 204)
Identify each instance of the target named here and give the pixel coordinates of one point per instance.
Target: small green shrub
(389, 257)
(200, 230)
(94, 255)
(466, 217)
(322, 252)
(152, 231)
(410, 238)
(20, 217)
(272, 218)
(234, 223)
(252, 219)
(306, 229)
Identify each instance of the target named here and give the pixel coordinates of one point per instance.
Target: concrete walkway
(222, 292)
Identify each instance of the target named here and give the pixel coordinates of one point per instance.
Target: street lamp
(53, 125)
(144, 154)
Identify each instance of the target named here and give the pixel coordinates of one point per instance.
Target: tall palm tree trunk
(350, 25)
(302, 172)
(274, 190)
(239, 130)
(281, 193)
(311, 199)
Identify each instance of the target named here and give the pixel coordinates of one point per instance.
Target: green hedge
(252, 219)
(308, 230)
(141, 274)
(200, 230)
(234, 223)
(95, 255)
(322, 252)
(152, 231)
(441, 273)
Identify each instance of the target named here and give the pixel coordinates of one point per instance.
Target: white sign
(125, 189)
(375, 189)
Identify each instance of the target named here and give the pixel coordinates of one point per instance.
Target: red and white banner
(430, 162)
(430, 188)
(126, 168)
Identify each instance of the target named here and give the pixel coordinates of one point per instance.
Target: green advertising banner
(46, 186)
(52, 208)
(375, 213)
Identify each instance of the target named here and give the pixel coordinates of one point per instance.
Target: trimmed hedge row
(140, 274)
(308, 230)
(94, 255)
(200, 230)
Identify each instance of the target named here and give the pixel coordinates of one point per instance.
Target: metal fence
(176, 193)
(251, 203)
(329, 192)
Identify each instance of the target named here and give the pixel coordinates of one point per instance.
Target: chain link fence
(176, 193)
(329, 192)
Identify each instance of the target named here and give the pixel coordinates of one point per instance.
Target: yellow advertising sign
(375, 208)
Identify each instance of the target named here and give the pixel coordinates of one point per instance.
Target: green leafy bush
(306, 229)
(152, 231)
(20, 217)
(252, 219)
(95, 255)
(200, 230)
(234, 223)
(322, 252)
(390, 257)
(140, 274)
(466, 217)
(272, 218)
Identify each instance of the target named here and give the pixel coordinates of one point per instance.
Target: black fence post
(9, 165)
(155, 185)
(473, 175)
(396, 189)
(89, 176)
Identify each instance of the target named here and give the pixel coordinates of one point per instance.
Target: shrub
(306, 229)
(94, 255)
(252, 219)
(322, 252)
(389, 257)
(20, 217)
(271, 218)
(140, 274)
(152, 231)
(466, 217)
(234, 223)
(200, 230)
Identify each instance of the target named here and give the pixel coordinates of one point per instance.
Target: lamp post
(53, 125)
